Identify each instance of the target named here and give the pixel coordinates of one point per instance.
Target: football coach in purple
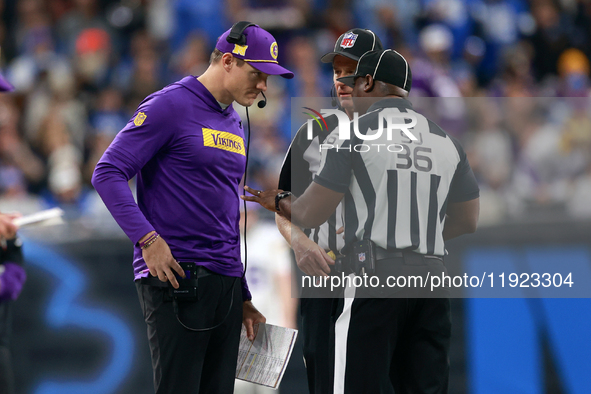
(186, 146)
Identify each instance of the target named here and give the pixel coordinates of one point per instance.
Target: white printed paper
(47, 217)
(263, 361)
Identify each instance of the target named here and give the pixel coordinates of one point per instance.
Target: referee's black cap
(353, 44)
(385, 65)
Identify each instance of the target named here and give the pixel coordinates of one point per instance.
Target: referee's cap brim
(329, 57)
(349, 80)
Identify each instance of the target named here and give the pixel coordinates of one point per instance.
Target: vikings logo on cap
(274, 50)
(240, 49)
(349, 40)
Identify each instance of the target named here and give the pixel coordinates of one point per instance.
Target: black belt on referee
(383, 254)
(347, 264)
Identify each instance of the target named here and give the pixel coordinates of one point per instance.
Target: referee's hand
(311, 258)
(161, 263)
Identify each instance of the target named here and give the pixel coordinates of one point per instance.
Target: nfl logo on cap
(349, 40)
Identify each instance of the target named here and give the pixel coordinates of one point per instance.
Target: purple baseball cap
(5, 86)
(260, 50)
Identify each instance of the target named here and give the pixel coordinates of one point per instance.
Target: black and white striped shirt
(396, 192)
(300, 166)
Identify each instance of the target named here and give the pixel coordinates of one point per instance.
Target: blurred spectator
(431, 73)
(303, 59)
(578, 201)
(538, 178)
(141, 75)
(500, 23)
(432, 77)
(490, 152)
(573, 70)
(581, 13)
(269, 14)
(33, 25)
(19, 167)
(515, 78)
(64, 160)
(191, 59)
(160, 19)
(392, 20)
(454, 15)
(207, 16)
(92, 57)
(85, 15)
(36, 48)
(56, 93)
(106, 121)
(550, 38)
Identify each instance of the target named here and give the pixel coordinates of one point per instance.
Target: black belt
(383, 254)
(346, 265)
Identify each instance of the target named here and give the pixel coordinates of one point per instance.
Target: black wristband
(279, 197)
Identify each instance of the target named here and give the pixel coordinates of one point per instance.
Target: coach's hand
(266, 198)
(160, 261)
(310, 258)
(251, 317)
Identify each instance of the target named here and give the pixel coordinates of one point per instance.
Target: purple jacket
(189, 157)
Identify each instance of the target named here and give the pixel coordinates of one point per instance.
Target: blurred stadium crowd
(81, 67)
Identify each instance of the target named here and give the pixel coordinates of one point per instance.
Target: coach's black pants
(187, 362)
(393, 345)
(6, 375)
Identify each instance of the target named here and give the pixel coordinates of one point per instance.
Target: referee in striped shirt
(404, 203)
(310, 246)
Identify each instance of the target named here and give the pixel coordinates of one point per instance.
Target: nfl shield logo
(361, 257)
(349, 40)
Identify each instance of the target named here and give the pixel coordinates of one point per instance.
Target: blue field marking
(504, 355)
(505, 336)
(64, 310)
(567, 321)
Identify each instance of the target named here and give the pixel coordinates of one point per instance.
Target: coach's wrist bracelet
(151, 239)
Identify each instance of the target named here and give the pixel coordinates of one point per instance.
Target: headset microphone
(262, 103)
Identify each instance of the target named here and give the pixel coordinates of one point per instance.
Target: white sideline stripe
(341, 333)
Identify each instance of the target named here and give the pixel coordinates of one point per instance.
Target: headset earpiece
(236, 35)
